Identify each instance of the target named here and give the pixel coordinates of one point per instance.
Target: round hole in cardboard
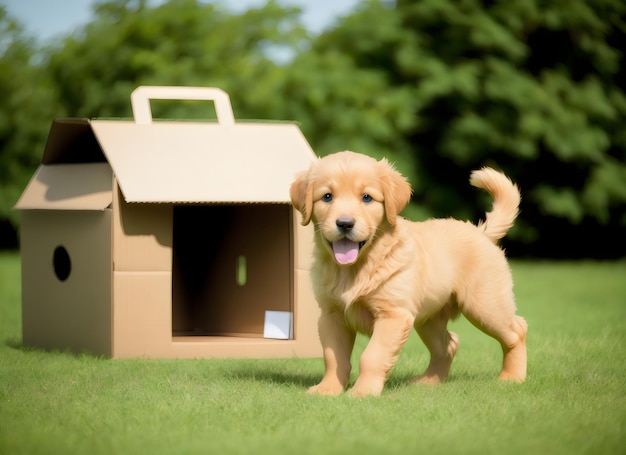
(61, 263)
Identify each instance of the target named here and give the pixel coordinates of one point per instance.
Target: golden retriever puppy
(380, 274)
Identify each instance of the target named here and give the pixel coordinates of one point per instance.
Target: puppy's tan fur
(406, 274)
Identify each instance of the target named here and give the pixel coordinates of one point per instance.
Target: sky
(46, 19)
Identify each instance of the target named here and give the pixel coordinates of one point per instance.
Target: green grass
(572, 402)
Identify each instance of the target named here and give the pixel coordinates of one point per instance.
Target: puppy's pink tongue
(345, 251)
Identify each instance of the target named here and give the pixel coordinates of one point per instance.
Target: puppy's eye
(367, 198)
(327, 197)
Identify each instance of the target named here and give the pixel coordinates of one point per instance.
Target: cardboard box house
(168, 239)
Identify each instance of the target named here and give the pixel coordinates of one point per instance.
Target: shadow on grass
(281, 372)
(284, 372)
(268, 373)
(18, 345)
(403, 380)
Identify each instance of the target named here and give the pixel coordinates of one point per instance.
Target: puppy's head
(350, 198)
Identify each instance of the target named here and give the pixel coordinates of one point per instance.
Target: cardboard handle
(141, 96)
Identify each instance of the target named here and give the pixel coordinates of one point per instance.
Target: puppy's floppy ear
(396, 190)
(301, 193)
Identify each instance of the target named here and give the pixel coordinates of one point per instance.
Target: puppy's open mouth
(346, 251)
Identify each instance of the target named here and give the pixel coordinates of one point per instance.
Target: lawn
(572, 402)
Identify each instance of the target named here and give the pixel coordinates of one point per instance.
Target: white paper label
(278, 324)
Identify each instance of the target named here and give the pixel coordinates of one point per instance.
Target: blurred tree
(181, 42)
(28, 104)
(129, 43)
(535, 87)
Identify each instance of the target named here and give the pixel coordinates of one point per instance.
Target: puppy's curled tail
(506, 200)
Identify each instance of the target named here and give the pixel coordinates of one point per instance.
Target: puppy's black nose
(345, 224)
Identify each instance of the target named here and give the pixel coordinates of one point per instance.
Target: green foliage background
(534, 87)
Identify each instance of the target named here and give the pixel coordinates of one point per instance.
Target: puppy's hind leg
(442, 346)
(501, 323)
(514, 361)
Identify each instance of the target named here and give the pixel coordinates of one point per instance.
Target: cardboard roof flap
(84, 186)
(167, 162)
(192, 162)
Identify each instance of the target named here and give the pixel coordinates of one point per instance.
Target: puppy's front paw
(325, 388)
(363, 388)
(506, 376)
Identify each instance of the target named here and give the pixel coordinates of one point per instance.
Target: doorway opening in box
(232, 271)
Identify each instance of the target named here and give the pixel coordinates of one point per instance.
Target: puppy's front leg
(390, 333)
(337, 341)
